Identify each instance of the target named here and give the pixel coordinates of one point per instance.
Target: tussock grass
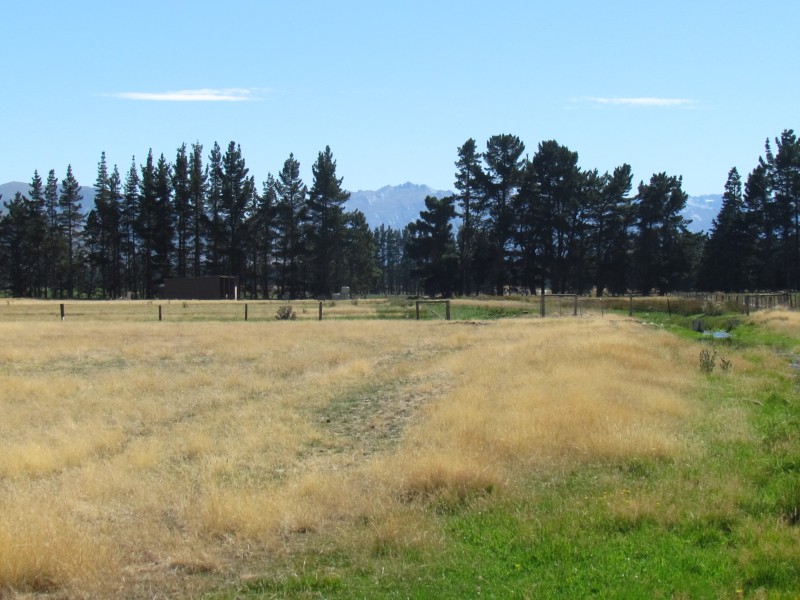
(193, 453)
(779, 320)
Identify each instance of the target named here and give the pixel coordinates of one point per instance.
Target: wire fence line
(546, 306)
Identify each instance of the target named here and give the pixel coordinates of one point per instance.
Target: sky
(690, 88)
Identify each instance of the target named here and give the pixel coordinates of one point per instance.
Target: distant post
(245, 311)
(62, 311)
(575, 308)
(320, 310)
(417, 310)
(159, 312)
(541, 308)
(630, 306)
(447, 310)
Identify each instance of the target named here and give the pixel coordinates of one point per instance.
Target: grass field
(367, 457)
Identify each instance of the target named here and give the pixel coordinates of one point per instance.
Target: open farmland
(365, 457)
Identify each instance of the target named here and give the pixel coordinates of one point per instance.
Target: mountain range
(396, 206)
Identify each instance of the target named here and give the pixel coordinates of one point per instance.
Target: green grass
(725, 522)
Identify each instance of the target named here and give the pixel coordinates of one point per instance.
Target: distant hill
(398, 205)
(702, 210)
(7, 191)
(393, 205)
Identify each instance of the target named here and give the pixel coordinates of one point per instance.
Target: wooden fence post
(159, 312)
(575, 309)
(245, 311)
(630, 306)
(62, 311)
(541, 310)
(447, 310)
(417, 310)
(320, 310)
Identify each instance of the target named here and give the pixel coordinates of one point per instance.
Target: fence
(548, 305)
(746, 302)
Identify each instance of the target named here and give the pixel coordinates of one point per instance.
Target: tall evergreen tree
(104, 232)
(359, 266)
(432, 247)
(129, 231)
(289, 219)
(215, 231)
(783, 168)
(15, 245)
(54, 248)
(237, 194)
(197, 218)
(146, 225)
(470, 183)
(182, 202)
(610, 218)
(504, 168)
(37, 235)
(550, 213)
(325, 219)
(71, 224)
(726, 254)
(263, 234)
(163, 223)
(661, 258)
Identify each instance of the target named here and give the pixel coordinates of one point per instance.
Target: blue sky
(394, 88)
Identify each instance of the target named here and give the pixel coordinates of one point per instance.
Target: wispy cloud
(201, 95)
(642, 102)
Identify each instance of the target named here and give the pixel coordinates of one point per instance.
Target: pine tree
(198, 220)
(263, 234)
(725, 258)
(215, 235)
(289, 219)
(470, 183)
(130, 231)
(146, 224)
(164, 222)
(432, 247)
(37, 236)
(549, 213)
(54, 249)
(609, 218)
(325, 218)
(15, 245)
(103, 234)
(358, 250)
(237, 195)
(783, 168)
(504, 168)
(71, 224)
(182, 186)
(660, 255)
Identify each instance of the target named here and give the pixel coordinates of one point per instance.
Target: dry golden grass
(141, 458)
(780, 320)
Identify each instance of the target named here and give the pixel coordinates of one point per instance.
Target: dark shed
(213, 287)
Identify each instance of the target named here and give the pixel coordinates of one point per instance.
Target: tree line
(543, 223)
(188, 218)
(539, 223)
(515, 224)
